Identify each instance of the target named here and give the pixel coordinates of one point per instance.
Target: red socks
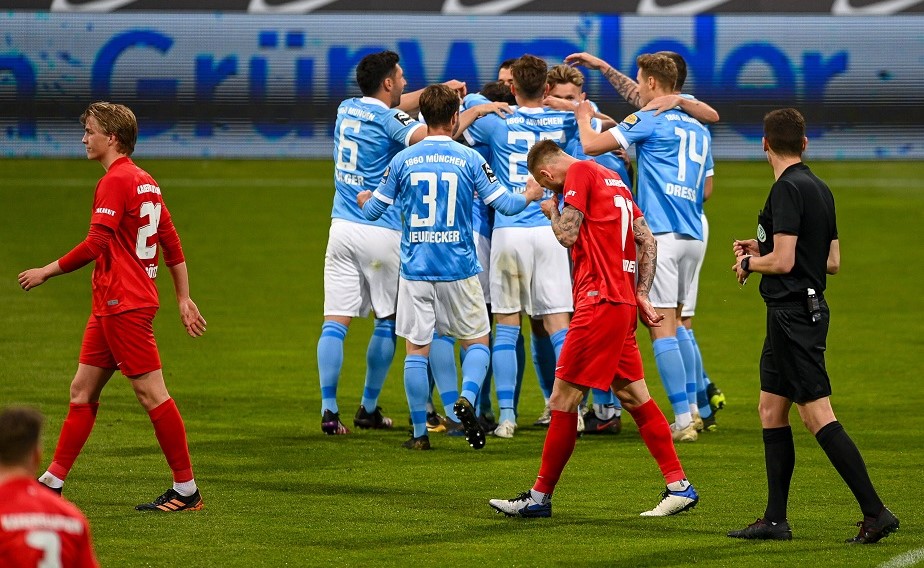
(74, 433)
(559, 445)
(171, 434)
(656, 433)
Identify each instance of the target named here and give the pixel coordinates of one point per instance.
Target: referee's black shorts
(792, 364)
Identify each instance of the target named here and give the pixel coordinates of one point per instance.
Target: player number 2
(50, 544)
(690, 149)
(152, 212)
(517, 159)
(452, 183)
(625, 210)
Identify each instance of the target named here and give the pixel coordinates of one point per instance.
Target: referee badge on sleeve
(761, 233)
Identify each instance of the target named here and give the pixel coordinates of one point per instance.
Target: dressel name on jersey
(682, 191)
(434, 237)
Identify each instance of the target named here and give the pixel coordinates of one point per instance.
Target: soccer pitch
(278, 492)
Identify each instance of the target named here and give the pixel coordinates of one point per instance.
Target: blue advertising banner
(234, 85)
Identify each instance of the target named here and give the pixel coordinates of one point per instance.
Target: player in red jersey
(128, 225)
(603, 227)
(37, 528)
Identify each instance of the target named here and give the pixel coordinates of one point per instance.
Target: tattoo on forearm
(566, 225)
(647, 257)
(626, 87)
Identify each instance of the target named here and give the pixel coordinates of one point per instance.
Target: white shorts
(361, 270)
(529, 272)
(678, 257)
(453, 308)
(483, 248)
(689, 306)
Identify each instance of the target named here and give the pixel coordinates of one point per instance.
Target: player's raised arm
(694, 107)
(593, 142)
(410, 102)
(624, 85)
(468, 116)
(566, 225)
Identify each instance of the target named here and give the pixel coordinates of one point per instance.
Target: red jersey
(603, 255)
(39, 528)
(128, 201)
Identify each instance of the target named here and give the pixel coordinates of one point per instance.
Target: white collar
(439, 138)
(373, 101)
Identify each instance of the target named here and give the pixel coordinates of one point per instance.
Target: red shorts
(600, 346)
(122, 341)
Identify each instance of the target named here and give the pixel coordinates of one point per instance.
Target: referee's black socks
(848, 462)
(780, 455)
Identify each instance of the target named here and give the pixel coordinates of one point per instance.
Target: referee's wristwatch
(746, 263)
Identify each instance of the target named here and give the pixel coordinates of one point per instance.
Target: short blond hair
(540, 154)
(115, 119)
(564, 74)
(659, 66)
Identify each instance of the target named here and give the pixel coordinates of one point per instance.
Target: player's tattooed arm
(566, 224)
(624, 85)
(647, 257)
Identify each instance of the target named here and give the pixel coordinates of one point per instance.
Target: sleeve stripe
(500, 191)
(382, 197)
(410, 133)
(619, 136)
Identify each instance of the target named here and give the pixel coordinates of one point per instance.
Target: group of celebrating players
(433, 236)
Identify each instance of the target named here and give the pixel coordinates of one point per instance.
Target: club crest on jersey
(489, 172)
(761, 233)
(403, 118)
(629, 121)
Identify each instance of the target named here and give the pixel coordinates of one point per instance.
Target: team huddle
(533, 214)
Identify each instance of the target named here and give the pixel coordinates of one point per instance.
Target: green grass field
(280, 493)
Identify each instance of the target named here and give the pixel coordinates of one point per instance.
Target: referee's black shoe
(874, 529)
(764, 530)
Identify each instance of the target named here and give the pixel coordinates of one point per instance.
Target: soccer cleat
(331, 424)
(373, 420)
(58, 490)
(545, 417)
(488, 423)
(595, 425)
(698, 422)
(172, 501)
(688, 434)
(709, 424)
(673, 502)
(418, 443)
(716, 397)
(436, 424)
(580, 419)
(505, 429)
(523, 505)
(454, 429)
(764, 530)
(874, 529)
(474, 434)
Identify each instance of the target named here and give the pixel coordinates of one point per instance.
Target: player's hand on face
(457, 86)
(191, 318)
(584, 111)
(31, 278)
(558, 103)
(584, 59)
(650, 317)
(747, 247)
(663, 103)
(362, 197)
(549, 205)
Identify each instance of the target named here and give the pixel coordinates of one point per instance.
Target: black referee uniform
(792, 364)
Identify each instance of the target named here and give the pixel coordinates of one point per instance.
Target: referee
(796, 247)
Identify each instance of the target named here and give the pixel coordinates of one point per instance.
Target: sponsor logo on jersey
(112, 302)
(761, 233)
(629, 121)
(489, 172)
(628, 266)
(403, 118)
(152, 271)
(570, 193)
(104, 211)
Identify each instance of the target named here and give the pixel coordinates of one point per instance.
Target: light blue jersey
(367, 135)
(509, 140)
(482, 215)
(434, 183)
(674, 160)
